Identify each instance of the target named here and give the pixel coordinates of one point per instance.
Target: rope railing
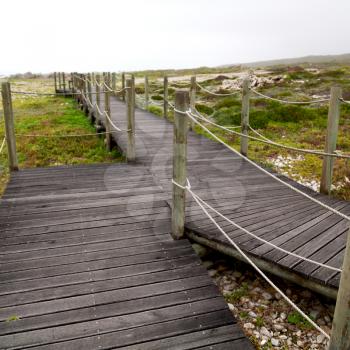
(272, 143)
(64, 135)
(344, 101)
(289, 102)
(194, 117)
(51, 94)
(201, 203)
(115, 91)
(215, 93)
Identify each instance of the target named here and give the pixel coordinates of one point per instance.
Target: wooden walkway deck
(249, 197)
(87, 262)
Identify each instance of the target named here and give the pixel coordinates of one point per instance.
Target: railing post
(114, 81)
(193, 89)
(146, 92)
(130, 100)
(165, 97)
(98, 100)
(59, 81)
(55, 80)
(85, 89)
(245, 115)
(108, 112)
(89, 96)
(9, 125)
(123, 94)
(331, 139)
(64, 82)
(340, 336)
(179, 163)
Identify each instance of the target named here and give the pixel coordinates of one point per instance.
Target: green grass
(53, 116)
(156, 110)
(237, 293)
(298, 320)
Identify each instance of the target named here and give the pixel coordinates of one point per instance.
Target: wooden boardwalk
(87, 262)
(249, 197)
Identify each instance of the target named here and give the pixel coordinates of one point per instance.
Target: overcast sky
(114, 35)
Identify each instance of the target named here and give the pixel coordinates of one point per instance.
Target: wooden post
(108, 112)
(165, 97)
(9, 126)
(114, 81)
(331, 139)
(146, 93)
(86, 90)
(245, 115)
(73, 83)
(55, 80)
(340, 336)
(64, 82)
(193, 89)
(130, 100)
(123, 87)
(98, 99)
(89, 96)
(59, 81)
(179, 164)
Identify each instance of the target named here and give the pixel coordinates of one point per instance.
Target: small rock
(231, 307)
(267, 296)
(275, 342)
(320, 338)
(327, 319)
(252, 314)
(314, 314)
(265, 332)
(249, 325)
(283, 316)
(278, 296)
(300, 343)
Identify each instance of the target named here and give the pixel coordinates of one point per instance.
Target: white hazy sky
(85, 35)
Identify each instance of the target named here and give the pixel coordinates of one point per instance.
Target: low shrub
(204, 109)
(156, 110)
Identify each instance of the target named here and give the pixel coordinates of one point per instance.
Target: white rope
(115, 91)
(63, 135)
(98, 109)
(249, 260)
(269, 142)
(217, 94)
(263, 240)
(193, 117)
(2, 144)
(344, 101)
(288, 102)
(111, 122)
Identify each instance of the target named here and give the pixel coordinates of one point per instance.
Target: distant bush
(204, 109)
(139, 90)
(157, 97)
(335, 73)
(156, 110)
(232, 116)
(291, 113)
(228, 102)
(302, 75)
